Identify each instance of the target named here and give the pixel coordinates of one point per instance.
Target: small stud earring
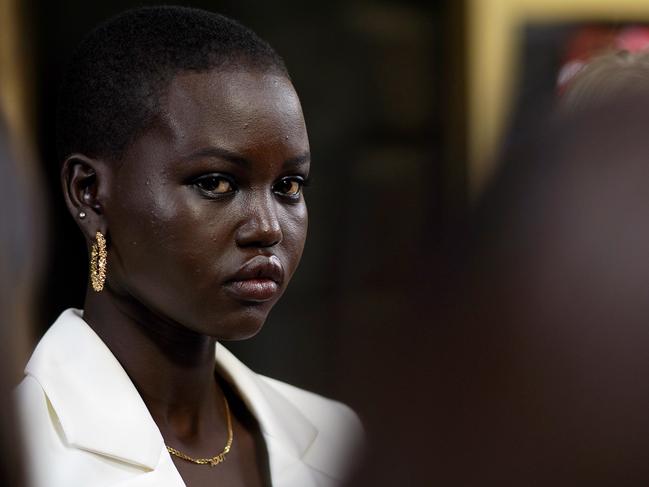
(82, 214)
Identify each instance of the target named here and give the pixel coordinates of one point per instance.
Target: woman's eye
(289, 186)
(215, 184)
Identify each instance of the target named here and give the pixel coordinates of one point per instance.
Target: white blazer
(85, 425)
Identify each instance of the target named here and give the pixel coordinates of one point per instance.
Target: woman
(185, 155)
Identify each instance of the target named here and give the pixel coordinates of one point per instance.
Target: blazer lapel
(96, 403)
(165, 475)
(287, 432)
(301, 451)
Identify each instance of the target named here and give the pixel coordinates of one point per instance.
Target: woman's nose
(261, 227)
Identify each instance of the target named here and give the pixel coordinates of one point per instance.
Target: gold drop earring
(98, 262)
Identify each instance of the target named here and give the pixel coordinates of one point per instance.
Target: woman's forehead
(256, 115)
(236, 97)
(234, 109)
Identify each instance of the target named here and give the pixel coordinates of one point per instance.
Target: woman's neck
(171, 366)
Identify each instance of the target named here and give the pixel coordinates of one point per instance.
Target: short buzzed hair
(118, 75)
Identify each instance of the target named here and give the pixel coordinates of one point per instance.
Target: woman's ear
(85, 182)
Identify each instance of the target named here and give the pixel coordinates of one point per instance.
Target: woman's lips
(257, 280)
(256, 290)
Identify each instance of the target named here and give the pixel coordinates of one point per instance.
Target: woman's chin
(240, 333)
(243, 327)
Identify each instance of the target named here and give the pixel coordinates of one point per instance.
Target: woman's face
(207, 219)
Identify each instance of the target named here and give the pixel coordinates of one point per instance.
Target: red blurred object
(587, 41)
(633, 39)
(591, 40)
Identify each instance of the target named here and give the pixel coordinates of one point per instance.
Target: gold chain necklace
(216, 459)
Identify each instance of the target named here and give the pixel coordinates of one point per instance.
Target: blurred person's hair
(608, 75)
(120, 71)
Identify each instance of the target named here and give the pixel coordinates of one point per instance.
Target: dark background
(381, 88)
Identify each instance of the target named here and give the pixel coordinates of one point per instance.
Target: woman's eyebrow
(219, 153)
(298, 161)
(235, 158)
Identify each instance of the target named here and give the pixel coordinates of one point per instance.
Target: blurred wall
(16, 90)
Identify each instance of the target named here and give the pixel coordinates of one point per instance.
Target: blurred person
(547, 357)
(521, 355)
(185, 155)
(593, 40)
(20, 249)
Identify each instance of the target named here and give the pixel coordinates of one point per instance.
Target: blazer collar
(97, 405)
(278, 418)
(101, 411)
